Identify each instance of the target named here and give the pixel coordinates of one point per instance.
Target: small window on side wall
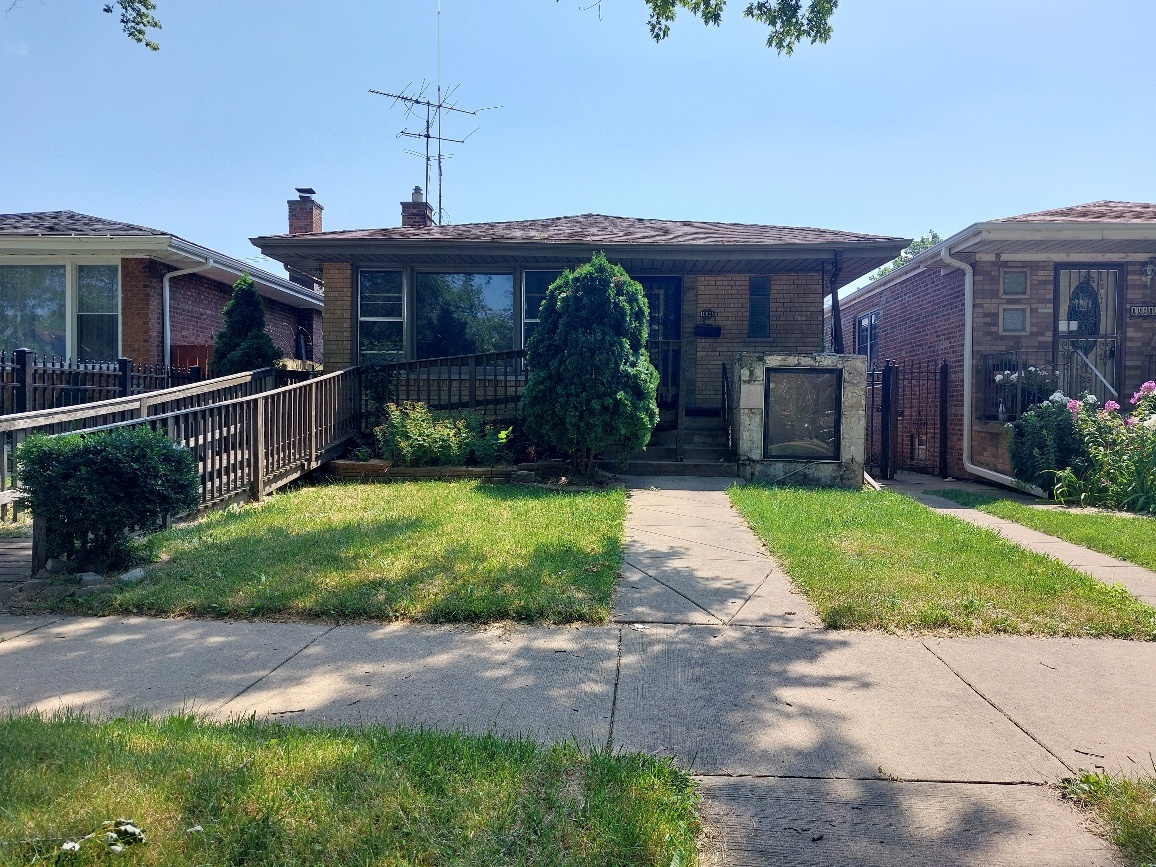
(759, 307)
(1013, 284)
(1013, 320)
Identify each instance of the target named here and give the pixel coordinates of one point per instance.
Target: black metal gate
(907, 418)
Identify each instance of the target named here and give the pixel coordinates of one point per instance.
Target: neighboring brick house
(1061, 300)
(92, 289)
(715, 289)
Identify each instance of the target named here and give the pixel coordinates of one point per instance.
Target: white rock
(91, 579)
(133, 576)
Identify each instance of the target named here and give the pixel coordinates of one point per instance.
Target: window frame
(1027, 318)
(872, 353)
(751, 278)
(1003, 272)
(71, 299)
(837, 372)
(403, 319)
(525, 318)
(487, 270)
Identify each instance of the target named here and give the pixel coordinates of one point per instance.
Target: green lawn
(267, 794)
(21, 528)
(1128, 537)
(429, 551)
(878, 560)
(1125, 806)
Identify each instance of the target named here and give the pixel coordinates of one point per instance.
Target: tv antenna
(416, 99)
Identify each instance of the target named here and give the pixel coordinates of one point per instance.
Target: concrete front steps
(704, 453)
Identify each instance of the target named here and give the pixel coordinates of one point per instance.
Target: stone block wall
(750, 382)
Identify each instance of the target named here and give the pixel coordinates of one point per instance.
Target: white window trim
(403, 319)
(535, 320)
(1027, 318)
(71, 302)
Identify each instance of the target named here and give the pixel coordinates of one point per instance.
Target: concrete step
(722, 469)
(706, 453)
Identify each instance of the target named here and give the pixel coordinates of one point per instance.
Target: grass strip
(263, 793)
(425, 551)
(1125, 806)
(879, 560)
(1121, 535)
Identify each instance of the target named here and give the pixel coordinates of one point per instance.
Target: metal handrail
(726, 409)
(1094, 370)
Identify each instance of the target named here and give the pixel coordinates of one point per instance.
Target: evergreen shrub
(92, 490)
(244, 344)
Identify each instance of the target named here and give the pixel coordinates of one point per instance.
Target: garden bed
(259, 793)
(436, 551)
(879, 560)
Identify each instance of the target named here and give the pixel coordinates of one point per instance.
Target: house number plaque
(1142, 311)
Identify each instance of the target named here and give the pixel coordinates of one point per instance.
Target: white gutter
(165, 295)
(968, 376)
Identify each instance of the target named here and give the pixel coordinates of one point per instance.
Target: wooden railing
(29, 383)
(15, 428)
(489, 383)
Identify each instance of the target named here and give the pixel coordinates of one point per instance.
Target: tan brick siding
(796, 324)
(339, 327)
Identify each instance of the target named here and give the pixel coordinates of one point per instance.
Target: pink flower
(1111, 406)
(1146, 389)
(1130, 421)
(1074, 406)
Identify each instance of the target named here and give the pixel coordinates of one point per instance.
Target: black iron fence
(489, 383)
(32, 383)
(907, 411)
(1010, 382)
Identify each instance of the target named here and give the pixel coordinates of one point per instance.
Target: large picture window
(464, 313)
(381, 317)
(33, 303)
(803, 408)
(535, 284)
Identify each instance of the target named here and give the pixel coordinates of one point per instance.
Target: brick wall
(339, 327)
(197, 313)
(1139, 336)
(920, 320)
(142, 315)
(796, 324)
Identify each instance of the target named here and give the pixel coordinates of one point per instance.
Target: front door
(664, 296)
(1086, 341)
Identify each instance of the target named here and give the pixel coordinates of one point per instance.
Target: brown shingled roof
(601, 229)
(68, 223)
(1092, 212)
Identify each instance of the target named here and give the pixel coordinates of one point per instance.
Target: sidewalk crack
(706, 611)
(1003, 712)
(614, 699)
(289, 658)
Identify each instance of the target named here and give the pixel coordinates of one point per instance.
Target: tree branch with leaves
(137, 18)
(789, 21)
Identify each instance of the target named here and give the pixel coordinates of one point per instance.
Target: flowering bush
(1032, 384)
(1044, 440)
(1120, 472)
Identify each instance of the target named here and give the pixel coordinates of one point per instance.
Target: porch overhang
(858, 258)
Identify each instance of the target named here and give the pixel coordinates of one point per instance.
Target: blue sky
(916, 115)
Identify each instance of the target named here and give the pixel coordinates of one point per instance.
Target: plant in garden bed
(428, 551)
(1120, 471)
(1044, 440)
(413, 436)
(91, 490)
(248, 792)
(592, 386)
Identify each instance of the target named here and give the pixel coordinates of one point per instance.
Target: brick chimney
(417, 213)
(304, 213)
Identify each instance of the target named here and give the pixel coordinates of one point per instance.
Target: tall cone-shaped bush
(591, 385)
(244, 344)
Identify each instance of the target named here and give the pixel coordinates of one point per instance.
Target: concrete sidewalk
(1140, 582)
(812, 746)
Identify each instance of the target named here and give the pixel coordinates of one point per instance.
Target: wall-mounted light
(1149, 271)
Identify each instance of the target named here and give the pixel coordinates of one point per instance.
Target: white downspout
(166, 307)
(968, 376)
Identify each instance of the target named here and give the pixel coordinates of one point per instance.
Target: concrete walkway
(812, 746)
(1140, 582)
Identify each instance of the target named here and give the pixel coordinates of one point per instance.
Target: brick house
(715, 289)
(92, 289)
(1020, 307)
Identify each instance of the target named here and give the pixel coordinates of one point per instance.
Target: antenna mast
(414, 101)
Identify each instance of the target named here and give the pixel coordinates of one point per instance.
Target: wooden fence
(15, 428)
(489, 383)
(29, 382)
